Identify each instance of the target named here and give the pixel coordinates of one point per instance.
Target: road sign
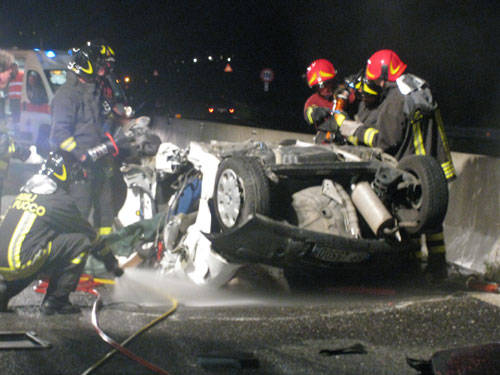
(266, 75)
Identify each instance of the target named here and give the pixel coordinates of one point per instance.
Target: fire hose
(89, 284)
(120, 347)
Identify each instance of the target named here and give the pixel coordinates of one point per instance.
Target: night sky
(451, 44)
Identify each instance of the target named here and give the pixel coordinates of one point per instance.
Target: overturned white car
(297, 206)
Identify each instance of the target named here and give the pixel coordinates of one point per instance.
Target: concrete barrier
(472, 224)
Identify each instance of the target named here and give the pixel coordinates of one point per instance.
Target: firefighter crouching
(44, 234)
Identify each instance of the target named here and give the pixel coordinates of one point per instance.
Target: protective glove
(103, 253)
(349, 127)
(328, 125)
(340, 117)
(19, 152)
(316, 115)
(121, 141)
(111, 264)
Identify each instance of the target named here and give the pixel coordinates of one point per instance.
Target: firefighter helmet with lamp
(62, 168)
(385, 65)
(84, 63)
(58, 170)
(105, 54)
(319, 72)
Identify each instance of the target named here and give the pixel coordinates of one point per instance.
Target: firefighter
(331, 101)
(399, 115)
(115, 111)
(115, 104)
(44, 234)
(77, 123)
(318, 107)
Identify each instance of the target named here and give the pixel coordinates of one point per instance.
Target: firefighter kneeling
(43, 234)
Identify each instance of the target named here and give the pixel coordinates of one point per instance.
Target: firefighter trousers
(62, 267)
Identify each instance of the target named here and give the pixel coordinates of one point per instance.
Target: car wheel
(425, 197)
(241, 189)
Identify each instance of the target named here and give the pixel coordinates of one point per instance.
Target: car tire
(430, 198)
(241, 190)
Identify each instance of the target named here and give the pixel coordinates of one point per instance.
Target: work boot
(53, 305)
(4, 299)
(437, 268)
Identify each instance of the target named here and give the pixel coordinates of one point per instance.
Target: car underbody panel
(264, 240)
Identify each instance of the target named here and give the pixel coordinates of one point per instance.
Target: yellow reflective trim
(88, 69)
(450, 171)
(419, 254)
(62, 176)
(437, 249)
(16, 241)
(68, 144)
(369, 74)
(392, 70)
(313, 78)
(79, 258)
(16, 270)
(325, 74)
(435, 236)
(339, 118)
(309, 111)
(353, 140)
(367, 89)
(369, 135)
(418, 141)
(12, 148)
(105, 230)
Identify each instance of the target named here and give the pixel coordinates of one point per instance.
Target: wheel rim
(229, 197)
(416, 196)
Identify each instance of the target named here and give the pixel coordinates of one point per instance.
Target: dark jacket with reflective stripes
(404, 125)
(32, 221)
(76, 117)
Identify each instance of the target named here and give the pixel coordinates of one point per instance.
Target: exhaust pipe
(371, 208)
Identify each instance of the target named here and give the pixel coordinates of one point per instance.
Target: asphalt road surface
(283, 332)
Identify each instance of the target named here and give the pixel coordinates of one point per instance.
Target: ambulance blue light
(50, 54)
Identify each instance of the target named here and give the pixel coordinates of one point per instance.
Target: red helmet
(384, 64)
(319, 72)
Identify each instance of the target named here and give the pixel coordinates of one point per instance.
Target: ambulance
(44, 72)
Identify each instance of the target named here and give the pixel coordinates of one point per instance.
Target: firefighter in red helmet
(318, 107)
(399, 115)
